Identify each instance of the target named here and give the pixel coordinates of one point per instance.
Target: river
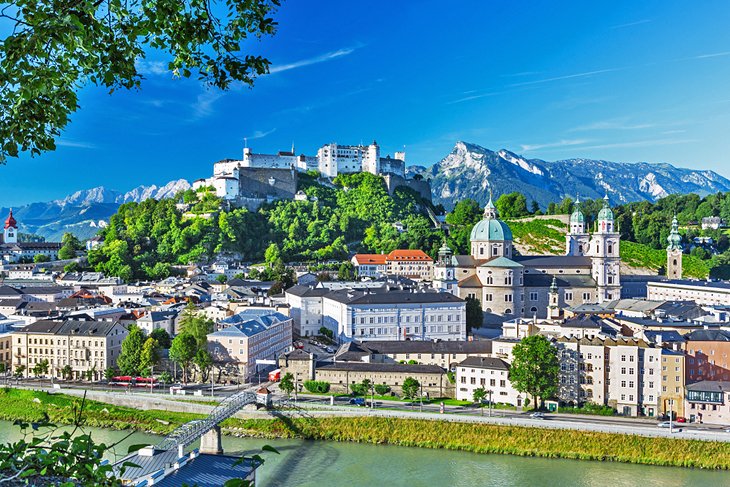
(322, 464)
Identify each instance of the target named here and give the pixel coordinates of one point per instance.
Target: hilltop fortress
(262, 178)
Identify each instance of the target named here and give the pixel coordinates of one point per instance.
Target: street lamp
(671, 419)
(490, 402)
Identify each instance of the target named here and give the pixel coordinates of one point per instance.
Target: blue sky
(623, 81)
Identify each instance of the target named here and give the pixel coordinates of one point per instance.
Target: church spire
(674, 238)
(490, 211)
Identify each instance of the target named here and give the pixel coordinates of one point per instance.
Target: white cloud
(549, 145)
(313, 60)
(74, 143)
(631, 24)
(260, 134)
(613, 124)
(568, 76)
(639, 143)
(145, 67)
(203, 105)
(714, 54)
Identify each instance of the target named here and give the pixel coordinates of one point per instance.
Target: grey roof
(43, 326)
(209, 471)
(588, 308)
(583, 321)
(708, 336)
(466, 261)
(720, 285)
(428, 346)
(248, 323)
(501, 262)
(471, 281)
(86, 328)
(395, 297)
(665, 335)
(553, 260)
(563, 280)
(307, 291)
(641, 305)
(709, 386)
(386, 368)
(8, 291)
(485, 363)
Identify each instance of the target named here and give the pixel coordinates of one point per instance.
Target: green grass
(486, 438)
(539, 236)
(479, 438)
(640, 255)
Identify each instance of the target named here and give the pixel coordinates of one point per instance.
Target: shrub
(317, 386)
(381, 389)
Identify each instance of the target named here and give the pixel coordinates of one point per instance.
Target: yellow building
(672, 382)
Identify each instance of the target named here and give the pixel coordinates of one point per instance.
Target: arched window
(508, 311)
(580, 249)
(495, 250)
(490, 280)
(675, 261)
(610, 248)
(533, 310)
(481, 250)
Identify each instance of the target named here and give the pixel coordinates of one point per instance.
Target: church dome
(606, 213)
(577, 217)
(487, 230)
(674, 238)
(490, 228)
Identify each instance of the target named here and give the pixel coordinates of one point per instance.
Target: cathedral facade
(507, 284)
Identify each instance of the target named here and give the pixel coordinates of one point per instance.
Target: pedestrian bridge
(192, 431)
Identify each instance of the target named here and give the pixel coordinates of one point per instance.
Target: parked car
(537, 415)
(667, 424)
(357, 401)
(681, 420)
(329, 350)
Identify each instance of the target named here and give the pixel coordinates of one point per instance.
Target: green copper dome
(492, 229)
(606, 213)
(577, 215)
(674, 238)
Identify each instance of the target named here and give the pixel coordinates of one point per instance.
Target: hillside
(471, 171)
(546, 235)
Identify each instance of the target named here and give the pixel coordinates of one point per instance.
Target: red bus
(127, 380)
(275, 375)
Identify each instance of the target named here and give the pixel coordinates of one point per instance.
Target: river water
(323, 464)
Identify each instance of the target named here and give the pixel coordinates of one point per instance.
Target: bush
(589, 408)
(381, 389)
(358, 389)
(412, 362)
(317, 386)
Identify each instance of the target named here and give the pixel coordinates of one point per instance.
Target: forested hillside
(143, 240)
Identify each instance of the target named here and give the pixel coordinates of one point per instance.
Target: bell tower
(10, 234)
(605, 257)
(674, 252)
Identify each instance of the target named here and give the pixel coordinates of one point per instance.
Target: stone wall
(422, 187)
(256, 188)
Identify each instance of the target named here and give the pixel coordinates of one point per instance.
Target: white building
(394, 315)
(706, 293)
(249, 336)
(490, 374)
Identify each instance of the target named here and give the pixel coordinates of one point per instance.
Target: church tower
(605, 258)
(553, 309)
(674, 252)
(10, 234)
(444, 271)
(577, 239)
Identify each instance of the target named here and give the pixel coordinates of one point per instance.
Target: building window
(533, 296)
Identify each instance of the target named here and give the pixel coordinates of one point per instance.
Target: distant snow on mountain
(471, 171)
(84, 212)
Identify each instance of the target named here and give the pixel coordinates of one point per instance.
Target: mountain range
(468, 171)
(84, 212)
(471, 171)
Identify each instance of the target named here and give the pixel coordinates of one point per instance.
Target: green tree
(466, 214)
(197, 325)
(410, 387)
(165, 377)
(66, 372)
(535, 208)
(69, 245)
(272, 256)
(19, 371)
(129, 358)
(40, 258)
(346, 272)
(183, 350)
(149, 356)
(109, 374)
(72, 267)
(204, 362)
(41, 368)
(104, 43)
(512, 205)
(324, 331)
(479, 394)
(381, 389)
(222, 278)
(535, 367)
(286, 384)
(162, 337)
(474, 314)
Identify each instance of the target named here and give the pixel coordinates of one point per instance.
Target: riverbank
(452, 435)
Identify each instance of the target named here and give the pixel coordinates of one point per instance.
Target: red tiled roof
(409, 255)
(10, 222)
(373, 259)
